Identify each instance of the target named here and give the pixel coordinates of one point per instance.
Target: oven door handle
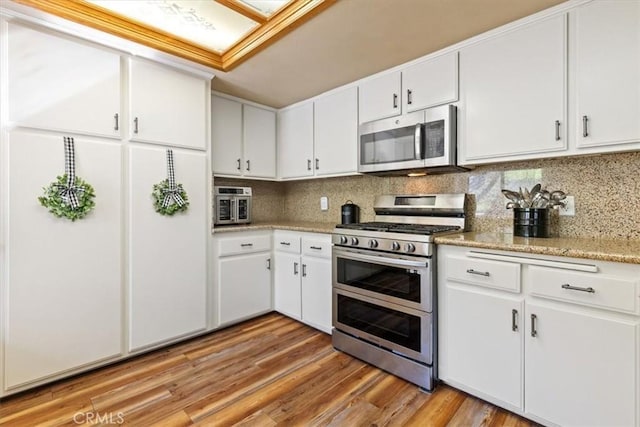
(382, 260)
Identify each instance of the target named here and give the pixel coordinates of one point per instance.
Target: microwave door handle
(418, 142)
(233, 209)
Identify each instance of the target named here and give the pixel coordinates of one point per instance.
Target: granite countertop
(304, 226)
(616, 250)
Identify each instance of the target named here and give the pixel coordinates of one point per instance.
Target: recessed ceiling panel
(204, 22)
(265, 7)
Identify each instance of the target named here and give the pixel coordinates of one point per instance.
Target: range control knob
(395, 246)
(343, 240)
(373, 243)
(354, 241)
(410, 247)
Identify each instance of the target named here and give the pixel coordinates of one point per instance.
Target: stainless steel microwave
(422, 141)
(232, 205)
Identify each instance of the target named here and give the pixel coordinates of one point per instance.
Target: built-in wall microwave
(422, 141)
(232, 205)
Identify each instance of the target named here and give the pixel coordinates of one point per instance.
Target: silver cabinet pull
(295, 268)
(534, 332)
(317, 164)
(317, 248)
(514, 320)
(585, 126)
(308, 164)
(395, 100)
(479, 273)
(578, 288)
(135, 125)
(246, 245)
(248, 165)
(116, 117)
(557, 130)
(268, 263)
(286, 243)
(409, 100)
(304, 270)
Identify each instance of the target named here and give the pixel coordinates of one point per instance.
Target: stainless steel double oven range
(384, 283)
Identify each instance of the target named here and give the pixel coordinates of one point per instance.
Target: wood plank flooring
(265, 372)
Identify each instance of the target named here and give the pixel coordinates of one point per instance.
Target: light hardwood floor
(267, 371)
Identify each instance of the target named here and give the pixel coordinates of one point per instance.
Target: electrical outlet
(324, 203)
(569, 208)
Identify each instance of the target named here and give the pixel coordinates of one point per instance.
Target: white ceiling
(355, 38)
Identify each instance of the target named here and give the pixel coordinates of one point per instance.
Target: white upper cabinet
(430, 83)
(243, 138)
(416, 87)
(295, 141)
(226, 136)
(380, 97)
(336, 132)
(605, 41)
(168, 107)
(167, 254)
(512, 94)
(63, 284)
(58, 83)
(259, 130)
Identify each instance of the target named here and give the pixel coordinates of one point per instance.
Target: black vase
(531, 222)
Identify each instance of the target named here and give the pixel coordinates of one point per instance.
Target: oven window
(224, 209)
(392, 281)
(243, 208)
(391, 325)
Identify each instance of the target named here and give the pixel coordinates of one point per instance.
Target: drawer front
(318, 247)
(592, 289)
(241, 245)
(490, 274)
(286, 242)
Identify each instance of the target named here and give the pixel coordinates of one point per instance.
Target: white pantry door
(63, 305)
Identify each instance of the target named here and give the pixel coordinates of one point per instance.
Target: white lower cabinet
(581, 367)
(485, 343)
(242, 275)
(168, 254)
(61, 290)
(303, 277)
(564, 350)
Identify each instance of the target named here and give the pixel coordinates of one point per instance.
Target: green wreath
(60, 208)
(160, 191)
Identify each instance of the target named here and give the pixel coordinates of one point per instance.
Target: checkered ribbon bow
(171, 194)
(69, 191)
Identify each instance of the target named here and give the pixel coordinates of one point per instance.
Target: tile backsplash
(606, 189)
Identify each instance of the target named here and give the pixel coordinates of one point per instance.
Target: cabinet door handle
(514, 320)
(317, 164)
(479, 273)
(295, 268)
(135, 125)
(308, 164)
(116, 117)
(585, 126)
(395, 100)
(248, 165)
(317, 248)
(534, 331)
(286, 243)
(268, 263)
(246, 245)
(578, 288)
(409, 100)
(557, 130)
(304, 270)
(238, 164)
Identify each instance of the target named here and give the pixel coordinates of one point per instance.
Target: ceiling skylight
(204, 22)
(265, 7)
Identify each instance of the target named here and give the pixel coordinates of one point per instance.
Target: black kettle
(350, 213)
